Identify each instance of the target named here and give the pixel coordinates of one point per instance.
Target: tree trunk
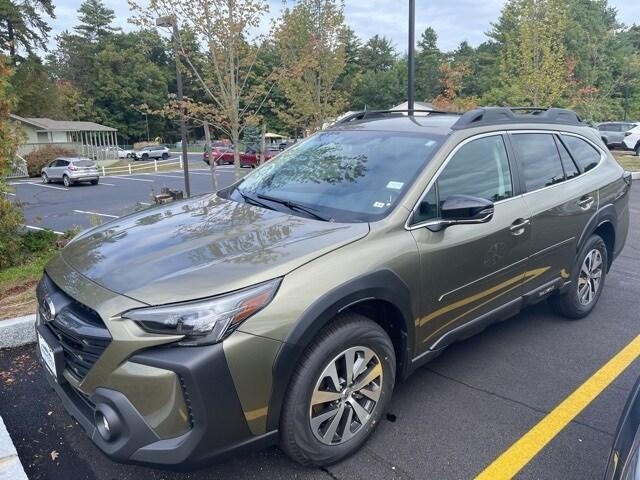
(212, 161)
(12, 44)
(262, 143)
(235, 138)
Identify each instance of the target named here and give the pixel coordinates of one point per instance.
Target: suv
(614, 133)
(70, 170)
(632, 139)
(284, 308)
(151, 151)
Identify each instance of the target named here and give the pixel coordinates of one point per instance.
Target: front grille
(80, 352)
(187, 401)
(79, 329)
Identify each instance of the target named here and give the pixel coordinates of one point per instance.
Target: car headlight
(205, 321)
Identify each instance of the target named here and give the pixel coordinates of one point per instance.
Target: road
(58, 208)
(448, 421)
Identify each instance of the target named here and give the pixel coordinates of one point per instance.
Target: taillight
(71, 167)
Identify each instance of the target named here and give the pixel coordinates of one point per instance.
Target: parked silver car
(613, 133)
(151, 151)
(70, 170)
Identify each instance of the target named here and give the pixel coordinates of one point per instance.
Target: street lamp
(412, 56)
(171, 21)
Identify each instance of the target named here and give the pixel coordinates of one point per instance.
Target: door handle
(585, 203)
(517, 227)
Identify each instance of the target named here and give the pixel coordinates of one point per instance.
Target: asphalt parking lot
(58, 208)
(450, 420)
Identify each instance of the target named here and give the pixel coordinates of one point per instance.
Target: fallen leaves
(54, 455)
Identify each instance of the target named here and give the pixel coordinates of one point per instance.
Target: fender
(607, 213)
(381, 285)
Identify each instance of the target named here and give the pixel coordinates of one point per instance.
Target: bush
(10, 241)
(39, 158)
(39, 241)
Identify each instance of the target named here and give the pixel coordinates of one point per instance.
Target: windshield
(345, 176)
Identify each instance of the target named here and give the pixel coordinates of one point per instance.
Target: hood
(201, 247)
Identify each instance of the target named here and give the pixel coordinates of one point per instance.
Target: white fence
(145, 167)
(18, 168)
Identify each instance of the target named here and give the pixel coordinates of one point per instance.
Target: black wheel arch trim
(382, 285)
(605, 214)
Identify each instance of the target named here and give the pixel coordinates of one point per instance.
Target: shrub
(39, 241)
(10, 241)
(40, 157)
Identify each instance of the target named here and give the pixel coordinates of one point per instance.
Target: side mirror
(463, 210)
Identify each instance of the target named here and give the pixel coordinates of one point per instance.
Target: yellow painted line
(520, 453)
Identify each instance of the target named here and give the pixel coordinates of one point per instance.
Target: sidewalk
(10, 466)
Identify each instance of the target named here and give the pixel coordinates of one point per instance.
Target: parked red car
(251, 158)
(221, 153)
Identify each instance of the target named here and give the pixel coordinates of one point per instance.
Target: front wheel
(95, 182)
(165, 156)
(45, 178)
(638, 150)
(339, 392)
(587, 281)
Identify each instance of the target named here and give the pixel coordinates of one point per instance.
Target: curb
(17, 332)
(10, 466)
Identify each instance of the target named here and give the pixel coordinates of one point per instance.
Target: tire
(606, 143)
(573, 304)
(145, 156)
(638, 150)
(66, 181)
(349, 335)
(45, 178)
(95, 182)
(165, 156)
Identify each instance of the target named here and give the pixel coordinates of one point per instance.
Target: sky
(453, 20)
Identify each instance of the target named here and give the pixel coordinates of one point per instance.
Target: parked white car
(123, 153)
(151, 151)
(632, 139)
(70, 170)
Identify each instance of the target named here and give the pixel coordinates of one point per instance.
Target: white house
(88, 138)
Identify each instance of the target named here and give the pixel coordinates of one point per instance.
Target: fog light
(107, 422)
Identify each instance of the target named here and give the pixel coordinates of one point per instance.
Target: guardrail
(145, 167)
(18, 168)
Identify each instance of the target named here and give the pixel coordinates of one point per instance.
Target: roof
(49, 125)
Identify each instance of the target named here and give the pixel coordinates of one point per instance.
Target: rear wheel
(587, 281)
(66, 181)
(95, 182)
(638, 150)
(339, 392)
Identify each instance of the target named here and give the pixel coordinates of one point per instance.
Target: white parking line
(107, 184)
(42, 185)
(96, 213)
(122, 177)
(144, 203)
(161, 175)
(11, 194)
(31, 227)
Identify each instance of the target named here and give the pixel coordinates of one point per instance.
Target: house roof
(49, 125)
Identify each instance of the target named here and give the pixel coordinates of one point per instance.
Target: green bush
(40, 241)
(40, 157)
(10, 241)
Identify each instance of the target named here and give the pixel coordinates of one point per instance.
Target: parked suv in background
(70, 170)
(632, 139)
(151, 151)
(284, 308)
(614, 133)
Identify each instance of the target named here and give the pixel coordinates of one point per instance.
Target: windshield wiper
(249, 199)
(295, 206)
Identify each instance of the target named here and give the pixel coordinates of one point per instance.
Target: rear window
(84, 163)
(540, 159)
(585, 155)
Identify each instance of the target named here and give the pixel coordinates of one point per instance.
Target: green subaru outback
(284, 308)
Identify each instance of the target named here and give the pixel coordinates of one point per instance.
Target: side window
(540, 159)
(479, 168)
(603, 127)
(570, 168)
(586, 156)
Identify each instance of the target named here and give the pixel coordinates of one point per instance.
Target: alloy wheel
(346, 395)
(590, 277)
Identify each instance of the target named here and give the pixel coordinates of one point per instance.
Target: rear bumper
(218, 425)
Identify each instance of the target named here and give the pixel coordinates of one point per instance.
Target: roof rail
(364, 114)
(501, 115)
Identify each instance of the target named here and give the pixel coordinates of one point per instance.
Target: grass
(18, 287)
(627, 160)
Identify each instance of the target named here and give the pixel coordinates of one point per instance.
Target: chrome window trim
(603, 156)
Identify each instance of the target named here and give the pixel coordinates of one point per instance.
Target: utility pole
(412, 56)
(262, 143)
(171, 21)
(212, 161)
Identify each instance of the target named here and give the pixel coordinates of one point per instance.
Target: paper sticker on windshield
(379, 205)
(429, 143)
(395, 185)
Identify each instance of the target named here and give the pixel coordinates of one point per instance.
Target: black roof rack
(501, 115)
(379, 113)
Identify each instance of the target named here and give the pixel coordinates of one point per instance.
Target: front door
(469, 271)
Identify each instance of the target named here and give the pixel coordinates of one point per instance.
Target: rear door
(562, 198)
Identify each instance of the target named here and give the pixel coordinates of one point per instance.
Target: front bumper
(218, 424)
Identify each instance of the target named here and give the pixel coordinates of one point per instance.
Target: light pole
(146, 121)
(412, 56)
(171, 21)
